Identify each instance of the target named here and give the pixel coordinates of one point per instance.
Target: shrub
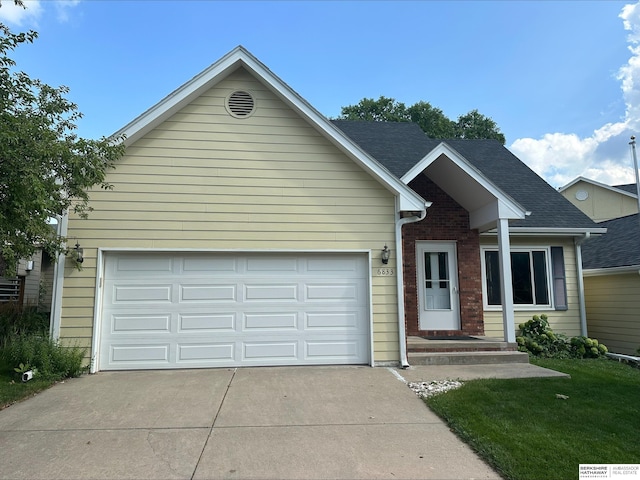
(538, 339)
(16, 320)
(52, 360)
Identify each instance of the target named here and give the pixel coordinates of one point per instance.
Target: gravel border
(434, 387)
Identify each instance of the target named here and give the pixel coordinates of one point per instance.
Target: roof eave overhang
(407, 199)
(551, 232)
(598, 272)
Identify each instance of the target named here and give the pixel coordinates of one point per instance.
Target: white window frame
(519, 306)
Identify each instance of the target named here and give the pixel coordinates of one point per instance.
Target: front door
(438, 298)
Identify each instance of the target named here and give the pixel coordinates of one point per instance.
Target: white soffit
(240, 57)
(465, 184)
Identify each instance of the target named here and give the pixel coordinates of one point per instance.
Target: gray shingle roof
(399, 146)
(619, 247)
(629, 187)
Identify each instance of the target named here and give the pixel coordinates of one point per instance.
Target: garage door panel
(333, 349)
(270, 321)
(208, 266)
(255, 309)
(333, 321)
(270, 350)
(207, 293)
(141, 294)
(333, 292)
(139, 353)
(223, 322)
(272, 263)
(270, 293)
(206, 353)
(140, 323)
(138, 266)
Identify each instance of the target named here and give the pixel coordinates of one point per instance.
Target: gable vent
(240, 104)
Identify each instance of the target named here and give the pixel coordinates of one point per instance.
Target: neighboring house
(245, 229)
(27, 286)
(599, 201)
(611, 263)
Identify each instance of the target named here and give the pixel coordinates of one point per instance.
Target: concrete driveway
(250, 423)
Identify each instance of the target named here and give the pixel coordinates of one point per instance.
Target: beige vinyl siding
(567, 322)
(205, 180)
(601, 204)
(613, 310)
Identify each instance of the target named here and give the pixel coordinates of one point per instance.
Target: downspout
(402, 332)
(581, 302)
(58, 281)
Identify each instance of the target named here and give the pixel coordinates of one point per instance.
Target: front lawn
(524, 431)
(13, 390)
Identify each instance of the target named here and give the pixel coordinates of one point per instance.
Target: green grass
(521, 428)
(13, 390)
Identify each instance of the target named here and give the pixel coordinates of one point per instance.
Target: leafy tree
(476, 125)
(45, 168)
(430, 119)
(382, 110)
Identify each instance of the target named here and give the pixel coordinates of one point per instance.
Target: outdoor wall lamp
(79, 253)
(385, 254)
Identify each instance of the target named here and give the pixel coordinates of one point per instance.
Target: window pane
(521, 271)
(492, 269)
(427, 269)
(443, 273)
(540, 277)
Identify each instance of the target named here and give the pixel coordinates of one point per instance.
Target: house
(32, 284)
(611, 263)
(599, 201)
(245, 229)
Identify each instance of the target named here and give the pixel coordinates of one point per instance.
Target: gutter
(581, 302)
(402, 332)
(58, 281)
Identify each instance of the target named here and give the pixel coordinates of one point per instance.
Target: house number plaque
(385, 272)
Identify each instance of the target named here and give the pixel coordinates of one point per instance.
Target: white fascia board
(507, 205)
(598, 272)
(551, 232)
(597, 184)
(486, 216)
(409, 200)
(180, 96)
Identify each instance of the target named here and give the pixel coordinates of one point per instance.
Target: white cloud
(603, 156)
(28, 17)
(15, 15)
(63, 6)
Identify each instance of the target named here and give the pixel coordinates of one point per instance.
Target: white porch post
(506, 289)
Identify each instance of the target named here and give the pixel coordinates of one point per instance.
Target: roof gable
(406, 151)
(627, 190)
(407, 199)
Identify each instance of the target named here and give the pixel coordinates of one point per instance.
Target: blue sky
(561, 79)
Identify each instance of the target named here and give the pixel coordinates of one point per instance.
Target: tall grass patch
(52, 360)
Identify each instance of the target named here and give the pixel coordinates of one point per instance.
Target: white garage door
(170, 310)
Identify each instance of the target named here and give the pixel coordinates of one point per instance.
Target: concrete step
(417, 344)
(466, 358)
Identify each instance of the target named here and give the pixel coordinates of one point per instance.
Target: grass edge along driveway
(525, 431)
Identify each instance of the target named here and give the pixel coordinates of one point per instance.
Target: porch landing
(475, 350)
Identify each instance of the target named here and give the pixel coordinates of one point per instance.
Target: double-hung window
(538, 277)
